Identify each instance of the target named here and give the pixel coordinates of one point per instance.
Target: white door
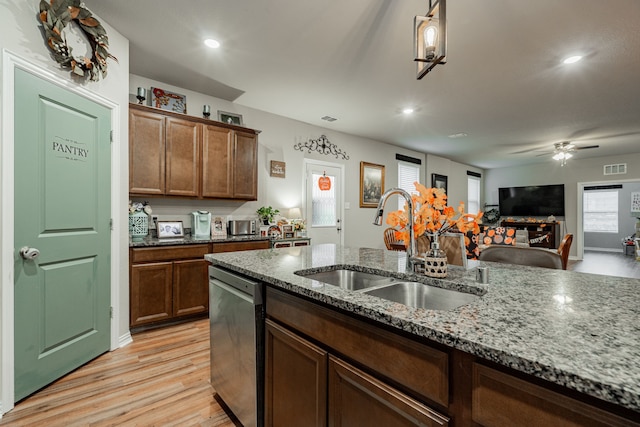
(324, 202)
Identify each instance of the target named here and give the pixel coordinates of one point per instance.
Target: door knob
(29, 253)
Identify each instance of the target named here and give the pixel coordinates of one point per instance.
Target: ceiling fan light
(558, 156)
(568, 155)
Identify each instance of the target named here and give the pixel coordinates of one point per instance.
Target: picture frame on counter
(218, 227)
(230, 118)
(287, 231)
(170, 229)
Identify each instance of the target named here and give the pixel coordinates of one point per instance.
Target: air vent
(619, 169)
(329, 118)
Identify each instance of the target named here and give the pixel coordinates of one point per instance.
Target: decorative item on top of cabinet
(172, 154)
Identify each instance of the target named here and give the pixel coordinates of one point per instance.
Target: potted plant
(267, 213)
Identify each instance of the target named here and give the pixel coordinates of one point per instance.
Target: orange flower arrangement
(432, 215)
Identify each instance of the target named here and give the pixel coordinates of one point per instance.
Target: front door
(324, 202)
(62, 232)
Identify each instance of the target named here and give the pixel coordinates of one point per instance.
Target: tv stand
(544, 234)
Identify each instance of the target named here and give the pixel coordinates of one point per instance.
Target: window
(600, 211)
(473, 195)
(408, 173)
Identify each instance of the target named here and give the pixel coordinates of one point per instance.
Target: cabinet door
(183, 157)
(245, 170)
(150, 292)
(296, 380)
(146, 153)
(217, 162)
(358, 399)
(190, 287)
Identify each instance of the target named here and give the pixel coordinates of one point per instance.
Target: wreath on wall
(55, 15)
(492, 215)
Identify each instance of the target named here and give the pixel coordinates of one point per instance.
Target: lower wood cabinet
(327, 367)
(296, 379)
(307, 386)
(168, 283)
(500, 399)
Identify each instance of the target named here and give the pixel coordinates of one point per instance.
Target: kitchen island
(573, 331)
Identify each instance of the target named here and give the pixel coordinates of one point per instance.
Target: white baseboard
(125, 340)
(603, 249)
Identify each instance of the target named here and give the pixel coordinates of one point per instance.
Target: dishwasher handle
(231, 290)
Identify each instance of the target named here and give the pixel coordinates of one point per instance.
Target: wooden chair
(563, 249)
(536, 257)
(390, 240)
(451, 243)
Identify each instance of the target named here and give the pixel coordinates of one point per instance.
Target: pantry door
(324, 202)
(62, 195)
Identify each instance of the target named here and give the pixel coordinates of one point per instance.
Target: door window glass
(323, 203)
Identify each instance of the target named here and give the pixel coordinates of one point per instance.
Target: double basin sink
(413, 294)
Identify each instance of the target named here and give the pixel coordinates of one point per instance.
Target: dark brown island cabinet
(175, 155)
(170, 283)
(325, 367)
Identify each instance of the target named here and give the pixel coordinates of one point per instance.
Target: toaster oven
(242, 227)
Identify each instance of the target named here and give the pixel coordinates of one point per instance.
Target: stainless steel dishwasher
(236, 317)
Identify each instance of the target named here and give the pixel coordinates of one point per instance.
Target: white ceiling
(503, 85)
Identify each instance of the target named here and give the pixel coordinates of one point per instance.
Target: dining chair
(451, 243)
(564, 248)
(390, 240)
(535, 257)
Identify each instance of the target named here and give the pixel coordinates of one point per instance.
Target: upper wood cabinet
(146, 152)
(182, 150)
(175, 155)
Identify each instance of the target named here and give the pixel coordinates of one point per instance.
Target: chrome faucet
(411, 250)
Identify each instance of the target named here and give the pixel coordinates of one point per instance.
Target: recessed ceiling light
(572, 59)
(458, 135)
(213, 44)
(407, 110)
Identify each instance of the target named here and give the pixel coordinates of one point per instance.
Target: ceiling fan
(563, 151)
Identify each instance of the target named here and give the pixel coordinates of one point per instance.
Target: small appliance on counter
(201, 224)
(243, 227)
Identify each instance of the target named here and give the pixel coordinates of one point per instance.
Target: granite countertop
(191, 240)
(578, 330)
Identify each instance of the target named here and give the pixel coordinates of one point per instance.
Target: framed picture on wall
(371, 184)
(439, 181)
(230, 118)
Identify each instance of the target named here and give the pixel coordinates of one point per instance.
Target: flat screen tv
(533, 200)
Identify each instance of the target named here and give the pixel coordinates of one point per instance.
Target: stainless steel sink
(349, 279)
(418, 295)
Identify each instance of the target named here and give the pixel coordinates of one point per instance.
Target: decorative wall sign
(371, 184)
(55, 15)
(321, 145)
(166, 100)
(278, 169)
(324, 183)
(635, 202)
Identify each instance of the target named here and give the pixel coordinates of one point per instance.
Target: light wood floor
(608, 263)
(161, 379)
